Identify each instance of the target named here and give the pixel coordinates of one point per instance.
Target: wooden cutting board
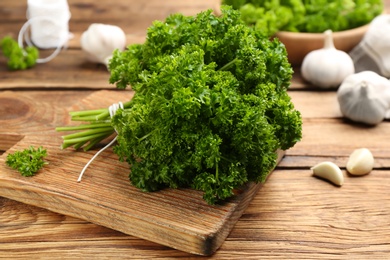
(178, 218)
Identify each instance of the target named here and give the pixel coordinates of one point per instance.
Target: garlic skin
(329, 171)
(364, 97)
(100, 40)
(360, 162)
(327, 67)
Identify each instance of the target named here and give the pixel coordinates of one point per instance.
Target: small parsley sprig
(18, 58)
(28, 161)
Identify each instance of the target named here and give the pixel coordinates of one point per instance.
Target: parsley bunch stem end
(96, 128)
(87, 134)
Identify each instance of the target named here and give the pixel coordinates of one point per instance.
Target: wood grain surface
(293, 216)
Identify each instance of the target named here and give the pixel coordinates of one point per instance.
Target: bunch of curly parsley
(316, 16)
(210, 108)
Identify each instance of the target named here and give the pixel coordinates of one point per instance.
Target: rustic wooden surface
(293, 216)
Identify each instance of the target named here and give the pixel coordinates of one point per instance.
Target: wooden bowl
(300, 44)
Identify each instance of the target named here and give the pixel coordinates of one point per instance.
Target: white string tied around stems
(48, 22)
(112, 110)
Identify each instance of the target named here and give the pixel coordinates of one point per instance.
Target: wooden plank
(337, 137)
(67, 70)
(35, 112)
(305, 217)
(328, 136)
(299, 83)
(177, 218)
(308, 161)
(31, 232)
(325, 103)
(9, 140)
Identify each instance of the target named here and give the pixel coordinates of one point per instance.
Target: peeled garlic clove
(360, 162)
(329, 171)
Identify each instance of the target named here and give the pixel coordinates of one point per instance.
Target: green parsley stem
(88, 138)
(104, 115)
(90, 119)
(145, 136)
(83, 126)
(78, 145)
(229, 64)
(88, 133)
(94, 142)
(216, 171)
(87, 112)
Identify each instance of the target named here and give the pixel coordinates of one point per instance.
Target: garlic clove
(360, 162)
(329, 171)
(327, 67)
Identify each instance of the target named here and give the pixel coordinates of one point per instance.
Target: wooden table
(293, 216)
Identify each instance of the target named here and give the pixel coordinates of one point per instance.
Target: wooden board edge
(9, 140)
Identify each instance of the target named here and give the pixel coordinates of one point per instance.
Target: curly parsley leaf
(28, 161)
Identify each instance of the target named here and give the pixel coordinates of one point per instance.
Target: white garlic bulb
(360, 162)
(100, 41)
(327, 67)
(364, 97)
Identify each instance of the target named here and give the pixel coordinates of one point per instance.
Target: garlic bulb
(364, 97)
(327, 67)
(100, 40)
